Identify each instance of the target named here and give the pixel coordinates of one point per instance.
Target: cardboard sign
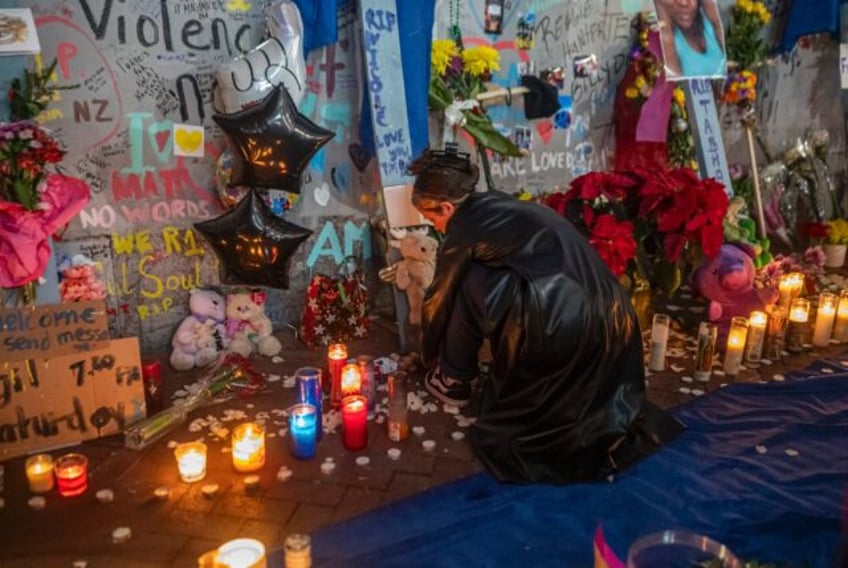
(61, 401)
(55, 329)
(709, 147)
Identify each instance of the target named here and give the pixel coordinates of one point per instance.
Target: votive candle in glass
(735, 345)
(336, 359)
(825, 317)
(191, 461)
(71, 474)
(298, 551)
(351, 379)
(756, 337)
(659, 341)
(840, 328)
(707, 337)
(776, 332)
(309, 391)
(355, 422)
(39, 472)
(248, 447)
(242, 553)
(303, 420)
(799, 314)
(789, 287)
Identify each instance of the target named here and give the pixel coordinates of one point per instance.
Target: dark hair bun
(446, 174)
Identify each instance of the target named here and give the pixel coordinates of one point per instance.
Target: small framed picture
(493, 16)
(692, 39)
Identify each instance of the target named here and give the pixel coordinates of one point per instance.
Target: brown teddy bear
(415, 272)
(248, 328)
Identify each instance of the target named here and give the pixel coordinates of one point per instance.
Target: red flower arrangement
(651, 225)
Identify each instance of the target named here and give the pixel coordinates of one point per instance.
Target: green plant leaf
(480, 127)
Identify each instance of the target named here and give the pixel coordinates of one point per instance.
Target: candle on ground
(302, 424)
(248, 447)
(735, 345)
(39, 472)
(659, 341)
(789, 288)
(825, 317)
(242, 553)
(71, 474)
(354, 422)
(756, 337)
(191, 461)
(336, 359)
(840, 328)
(799, 313)
(309, 391)
(351, 379)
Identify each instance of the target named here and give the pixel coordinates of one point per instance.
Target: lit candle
(302, 424)
(707, 334)
(735, 345)
(242, 553)
(248, 447)
(336, 359)
(39, 472)
(799, 313)
(776, 332)
(71, 474)
(659, 341)
(354, 422)
(756, 337)
(789, 287)
(309, 391)
(351, 379)
(825, 316)
(840, 329)
(191, 461)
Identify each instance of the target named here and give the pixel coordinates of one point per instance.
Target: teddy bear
(201, 336)
(415, 271)
(248, 328)
(727, 281)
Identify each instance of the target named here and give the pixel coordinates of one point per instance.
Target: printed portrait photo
(692, 39)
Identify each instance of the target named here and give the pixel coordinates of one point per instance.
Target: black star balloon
(272, 142)
(254, 245)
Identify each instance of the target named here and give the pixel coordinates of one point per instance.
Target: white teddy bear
(248, 328)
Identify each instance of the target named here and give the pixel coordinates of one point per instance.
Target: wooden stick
(501, 93)
(758, 197)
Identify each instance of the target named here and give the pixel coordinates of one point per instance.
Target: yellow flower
(763, 12)
(444, 50)
(639, 82)
(481, 60)
(745, 5)
(631, 93)
(837, 232)
(679, 96)
(524, 195)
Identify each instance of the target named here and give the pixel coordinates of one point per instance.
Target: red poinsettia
(653, 223)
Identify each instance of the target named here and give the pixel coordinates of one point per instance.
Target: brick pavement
(174, 533)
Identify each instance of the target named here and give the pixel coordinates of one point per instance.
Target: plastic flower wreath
(457, 76)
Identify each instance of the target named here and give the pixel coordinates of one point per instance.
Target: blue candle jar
(310, 391)
(302, 423)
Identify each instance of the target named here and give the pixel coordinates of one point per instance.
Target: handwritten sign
(64, 400)
(386, 89)
(55, 329)
(843, 64)
(709, 148)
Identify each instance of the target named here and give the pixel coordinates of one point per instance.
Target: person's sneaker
(446, 389)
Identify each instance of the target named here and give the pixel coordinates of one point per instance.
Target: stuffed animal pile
(201, 336)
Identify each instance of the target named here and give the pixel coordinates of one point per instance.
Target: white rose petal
(761, 449)
(792, 453)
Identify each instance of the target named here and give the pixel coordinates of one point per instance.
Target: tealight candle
(336, 359)
(302, 425)
(825, 316)
(71, 474)
(659, 341)
(351, 379)
(799, 313)
(354, 422)
(39, 472)
(248, 447)
(735, 345)
(191, 461)
(789, 288)
(840, 328)
(242, 553)
(756, 337)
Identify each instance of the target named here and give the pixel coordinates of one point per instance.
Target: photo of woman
(692, 38)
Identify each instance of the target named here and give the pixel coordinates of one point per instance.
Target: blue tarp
(770, 506)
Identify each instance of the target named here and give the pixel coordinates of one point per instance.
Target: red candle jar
(154, 396)
(351, 380)
(71, 474)
(336, 359)
(355, 422)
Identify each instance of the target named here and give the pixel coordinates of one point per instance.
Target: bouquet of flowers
(746, 51)
(457, 76)
(837, 232)
(653, 226)
(26, 148)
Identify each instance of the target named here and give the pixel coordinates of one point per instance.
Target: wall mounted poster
(17, 32)
(64, 400)
(692, 39)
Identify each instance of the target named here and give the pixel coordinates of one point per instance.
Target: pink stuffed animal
(727, 281)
